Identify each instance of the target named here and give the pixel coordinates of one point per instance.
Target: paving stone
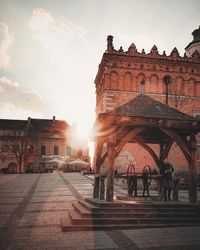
(38, 223)
(11, 200)
(52, 199)
(51, 206)
(5, 209)
(42, 218)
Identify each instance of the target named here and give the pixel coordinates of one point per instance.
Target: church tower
(195, 44)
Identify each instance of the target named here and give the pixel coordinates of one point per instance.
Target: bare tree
(176, 95)
(21, 144)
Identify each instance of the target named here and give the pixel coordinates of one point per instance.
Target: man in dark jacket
(166, 171)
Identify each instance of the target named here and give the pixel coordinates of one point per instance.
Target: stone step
(77, 219)
(91, 214)
(146, 208)
(140, 204)
(67, 226)
(130, 213)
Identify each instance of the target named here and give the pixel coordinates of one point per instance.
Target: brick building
(39, 144)
(171, 79)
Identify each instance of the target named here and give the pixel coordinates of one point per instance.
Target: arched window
(154, 84)
(43, 150)
(55, 150)
(69, 151)
(5, 148)
(114, 80)
(140, 77)
(79, 152)
(192, 87)
(179, 87)
(127, 81)
(30, 149)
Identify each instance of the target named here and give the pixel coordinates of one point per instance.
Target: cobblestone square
(32, 205)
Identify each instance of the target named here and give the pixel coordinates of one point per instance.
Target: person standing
(166, 171)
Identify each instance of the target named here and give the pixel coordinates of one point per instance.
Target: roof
(145, 106)
(196, 37)
(8, 124)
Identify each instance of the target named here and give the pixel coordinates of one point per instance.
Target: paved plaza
(31, 206)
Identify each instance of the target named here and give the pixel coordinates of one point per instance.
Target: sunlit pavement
(31, 206)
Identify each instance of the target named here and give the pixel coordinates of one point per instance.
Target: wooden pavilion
(145, 121)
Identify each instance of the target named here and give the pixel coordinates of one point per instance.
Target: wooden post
(98, 152)
(110, 172)
(96, 186)
(102, 188)
(175, 189)
(192, 171)
(160, 184)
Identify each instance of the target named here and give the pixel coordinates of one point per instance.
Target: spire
(154, 50)
(110, 43)
(174, 53)
(132, 48)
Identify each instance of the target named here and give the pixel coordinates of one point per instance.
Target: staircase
(94, 214)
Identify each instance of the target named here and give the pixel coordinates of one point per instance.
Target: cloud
(49, 29)
(140, 40)
(13, 98)
(6, 40)
(60, 41)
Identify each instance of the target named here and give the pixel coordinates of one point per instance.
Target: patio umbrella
(78, 162)
(56, 160)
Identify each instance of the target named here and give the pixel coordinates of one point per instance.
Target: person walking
(166, 171)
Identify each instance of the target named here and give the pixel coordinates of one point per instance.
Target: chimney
(29, 121)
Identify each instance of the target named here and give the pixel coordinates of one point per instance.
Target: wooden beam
(140, 141)
(101, 161)
(130, 135)
(176, 138)
(166, 149)
(110, 172)
(161, 152)
(119, 149)
(148, 122)
(98, 152)
(187, 144)
(192, 171)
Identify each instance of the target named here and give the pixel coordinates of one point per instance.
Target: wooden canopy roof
(144, 121)
(147, 113)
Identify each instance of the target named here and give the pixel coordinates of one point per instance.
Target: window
(5, 148)
(30, 149)
(69, 151)
(55, 150)
(43, 150)
(198, 152)
(79, 152)
(14, 148)
(196, 114)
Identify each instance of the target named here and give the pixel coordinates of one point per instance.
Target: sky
(50, 50)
